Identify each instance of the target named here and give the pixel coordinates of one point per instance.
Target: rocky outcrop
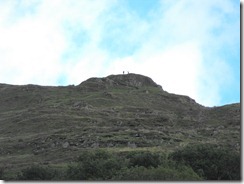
(129, 80)
(134, 80)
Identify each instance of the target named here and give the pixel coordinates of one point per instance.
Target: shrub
(37, 173)
(1, 173)
(209, 161)
(160, 173)
(145, 159)
(101, 165)
(75, 172)
(95, 165)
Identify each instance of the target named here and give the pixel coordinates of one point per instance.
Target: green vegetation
(210, 162)
(103, 165)
(160, 173)
(37, 173)
(136, 122)
(95, 165)
(192, 163)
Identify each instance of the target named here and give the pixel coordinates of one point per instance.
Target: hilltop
(129, 80)
(50, 125)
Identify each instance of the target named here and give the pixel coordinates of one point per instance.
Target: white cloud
(93, 38)
(31, 48)
(183, 49)
(32, 45)
(175, 68)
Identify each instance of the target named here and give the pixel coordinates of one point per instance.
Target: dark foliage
(211, 162)
(95, 165)
(190, 163)
(1, 173)
(145, 159)
(160, 173)
(37, 173)
(101, 165)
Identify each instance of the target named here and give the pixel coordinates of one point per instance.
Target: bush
(75, 172)
(37, 173)
(160, 173)
(1, 173)
(101, 165)
(145, 159)
(190, 163)
(95, 165)
(209, 161)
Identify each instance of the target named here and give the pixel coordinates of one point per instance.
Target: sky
(189, 47)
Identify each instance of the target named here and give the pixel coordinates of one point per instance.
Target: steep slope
(49, 125)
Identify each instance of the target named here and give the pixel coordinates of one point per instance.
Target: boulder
(65, 145)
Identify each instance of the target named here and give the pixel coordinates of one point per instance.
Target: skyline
(188, 47)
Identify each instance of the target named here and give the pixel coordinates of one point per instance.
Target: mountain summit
(129, 80)
(134, 80)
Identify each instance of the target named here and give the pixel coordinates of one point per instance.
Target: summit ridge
(129, 80)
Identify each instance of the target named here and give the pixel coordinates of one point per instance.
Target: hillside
(50, 125)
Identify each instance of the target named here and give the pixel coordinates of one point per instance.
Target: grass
(33, 119)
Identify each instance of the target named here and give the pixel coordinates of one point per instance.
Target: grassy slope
(49, 125)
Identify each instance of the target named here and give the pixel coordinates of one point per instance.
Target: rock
(131, 145)
(107, 94)
(95, 145)
(81, 104)
(119, 123)
(73, 144)
(65, 145)
(134, 80)
(221, 127)
(53, 145)
(110, 145)
(215, 132)
(77, 104)
(138, 135)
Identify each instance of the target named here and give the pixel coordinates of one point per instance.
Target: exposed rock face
(133, 80)
(130, 80)
(65, 145)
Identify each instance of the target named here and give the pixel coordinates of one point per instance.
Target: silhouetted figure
(123, 72)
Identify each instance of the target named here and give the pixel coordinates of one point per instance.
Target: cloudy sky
(189, 47)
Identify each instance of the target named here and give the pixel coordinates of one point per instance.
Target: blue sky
(189, 47)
